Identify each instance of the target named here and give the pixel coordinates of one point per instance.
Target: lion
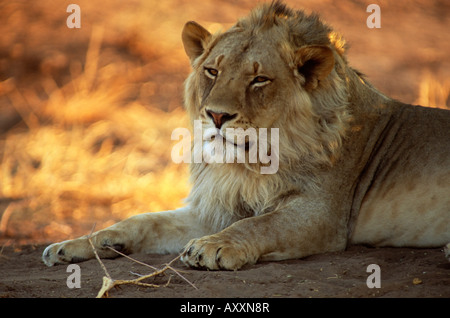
(354, 166)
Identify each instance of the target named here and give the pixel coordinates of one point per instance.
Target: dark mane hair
(303, 28)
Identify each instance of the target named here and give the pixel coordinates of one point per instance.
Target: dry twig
(109, 283)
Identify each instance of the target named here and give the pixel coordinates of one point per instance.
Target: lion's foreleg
(159, 232)
(283, 234)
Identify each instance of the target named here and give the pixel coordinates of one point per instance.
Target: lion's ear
(194, 38)
(314, 63)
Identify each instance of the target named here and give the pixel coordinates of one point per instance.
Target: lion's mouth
(238, 142)
(245, 146)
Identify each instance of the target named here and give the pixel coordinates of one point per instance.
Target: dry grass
(110, 283)
(88, 152)
(434, 92)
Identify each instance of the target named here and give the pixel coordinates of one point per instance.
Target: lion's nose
(220, 118)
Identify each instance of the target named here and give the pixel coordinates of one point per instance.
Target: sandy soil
(404, 272)
(412, 42)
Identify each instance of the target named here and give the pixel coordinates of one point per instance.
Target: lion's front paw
(50, 256)
(72, 251)
(212, 252)
(79, 250)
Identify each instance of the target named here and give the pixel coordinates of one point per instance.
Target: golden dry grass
(434, 92)
(88, 153)
(95, 160)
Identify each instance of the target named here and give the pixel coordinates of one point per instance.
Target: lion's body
(353, 166)
(406, 180)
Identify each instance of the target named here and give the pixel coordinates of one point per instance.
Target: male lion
(355, 167)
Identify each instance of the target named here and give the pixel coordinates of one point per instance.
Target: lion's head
(275, 68)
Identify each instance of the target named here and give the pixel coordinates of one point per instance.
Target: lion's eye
(260, 81)
(211, 72)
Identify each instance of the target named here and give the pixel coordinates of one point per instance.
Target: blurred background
(86, 114)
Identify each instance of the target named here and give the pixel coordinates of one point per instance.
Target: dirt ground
(404, 272)
(413, 43)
